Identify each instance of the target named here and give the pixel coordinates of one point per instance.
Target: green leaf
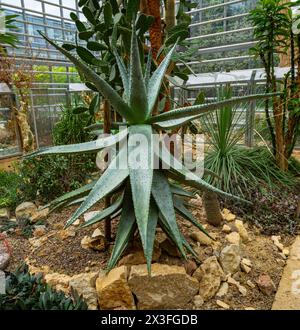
(94, 106)
(80, 26)
(203, 108)
(123, 74)
(141, 175)
(163, 197)
(113, 208)
(148, 69)
(177, 190)
(73, 17)
(151, 230)
(114, 6)
(132, 9)
(85, 35)
(126, 227)
(96, 46)
(108, 18)
(79, 110)
(157, 79)
(91, 146)
(89, 15)
(82, 2)
(137, 90)
(114, 175)
(68, 46)
(103, 87)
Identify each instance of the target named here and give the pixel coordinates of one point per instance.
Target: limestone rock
(98, 243)
(241, 230)
(250, 284)
(2, 282)
(135, 255)
(200, 237)
(97, 233)
(4, 214)
(223, 290)
(113, 290)
(37, 242)
(198, 302)
(209, 275)
(39, 231)
(168, 287)
(4, 257)
(227, 215)
(249, 309)
(246, 265)
(265, 284)
(226, 229)
(66, 233)
(230, 259)
(26, 210)
(58, 281)
(286, 252)
(85, 285)
(233, 238)
(222, 304)
(240, 287)
(276, 242)
(41, 214)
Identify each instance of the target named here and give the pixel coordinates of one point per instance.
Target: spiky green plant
(144, 197)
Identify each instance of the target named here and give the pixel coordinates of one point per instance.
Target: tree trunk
(155, 29)
(170, 17)
(212, 208)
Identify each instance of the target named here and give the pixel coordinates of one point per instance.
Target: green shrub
(9, 184)
(29, 292)
(48, 177)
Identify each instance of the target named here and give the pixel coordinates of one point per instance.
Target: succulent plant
(144, 197)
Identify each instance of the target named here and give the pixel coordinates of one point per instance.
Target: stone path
(288, 294)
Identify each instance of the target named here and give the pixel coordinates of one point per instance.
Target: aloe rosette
(143, 197)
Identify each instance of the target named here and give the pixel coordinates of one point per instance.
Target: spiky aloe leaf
(156, 80)
(175, 123)
(151, 228)
(141, 174)
(114, 175)
(72, 195)
(103, 87)
(163, 197)
(123, 74)
(177, 190)
(183, 211)
(113, 208)
(189, 177)
(91, 146)
(126, 227)
(137, 91)
(148, 69)
(203, 108)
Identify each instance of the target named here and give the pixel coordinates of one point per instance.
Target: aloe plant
(144, 198)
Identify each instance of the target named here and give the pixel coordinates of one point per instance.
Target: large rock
(26, 210)
(168, 287)
(135, 255)
(4, 214)
(265, 284)
(230, 259)
(233, 238)
(113, 290)
(98, 243)
(58, 281)
(239, 225)
(2, 282)
(4, 256)
(85, 285)
(209, 275)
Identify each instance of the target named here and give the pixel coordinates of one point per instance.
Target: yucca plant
(144, 198)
